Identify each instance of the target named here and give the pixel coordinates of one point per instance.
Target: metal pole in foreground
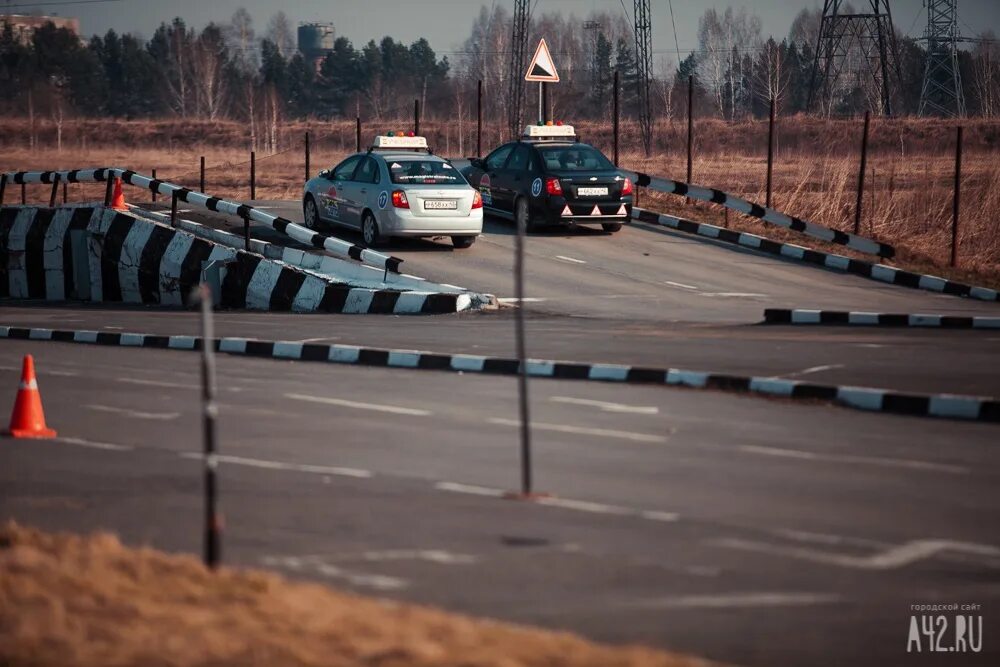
(479, 118)
(152, 172)
(770, 154)
(957, 204)
(55, 191)
(357, 133)
(616, 119)
(690, 146)
(861, 174)
(416, 117)
(213, 520)
(65, 192)
(201, 183)
(522, 377)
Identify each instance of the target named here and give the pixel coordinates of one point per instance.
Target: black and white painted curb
(804, 316)
(879, 272)
(861, 398)
(853, 241)
(282, 225)
(125, 259)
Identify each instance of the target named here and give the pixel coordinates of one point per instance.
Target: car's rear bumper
(581, 213)
(401, 222)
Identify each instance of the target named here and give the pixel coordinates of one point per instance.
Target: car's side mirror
(325, 173)
(476, 162)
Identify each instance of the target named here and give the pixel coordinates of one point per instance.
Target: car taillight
(552, 186)
(399, 199)
(627, 187)
(477, 200)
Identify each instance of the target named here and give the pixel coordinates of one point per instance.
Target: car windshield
(574, 158)
(424, 172)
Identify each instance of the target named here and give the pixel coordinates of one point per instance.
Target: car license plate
(592, 192)
(440, 204)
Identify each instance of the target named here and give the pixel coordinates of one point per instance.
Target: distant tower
(859, 45)
(515, 72)
(594, 28)
(643, 63)
(942, 93)
(315, 41)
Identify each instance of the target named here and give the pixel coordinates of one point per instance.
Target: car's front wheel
(310, 214)
(369, 231)
(463, 241)
(611, 226)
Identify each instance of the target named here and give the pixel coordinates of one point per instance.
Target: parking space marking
(582, 430)
(136, 414)
(606, 406)
(570, 259)
(735, 295)
(374, 407)
(851, 459)
(680, 285)
(514, 299)
(282, 465)
(108, 446)
(457, 487)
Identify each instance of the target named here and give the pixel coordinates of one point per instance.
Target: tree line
(228, 71)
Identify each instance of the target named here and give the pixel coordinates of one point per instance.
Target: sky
(446, 23)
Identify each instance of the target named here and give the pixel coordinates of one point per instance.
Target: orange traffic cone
(28, 419)
(118, 201)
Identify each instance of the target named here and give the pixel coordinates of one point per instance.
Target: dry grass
(91, 602)
(908, 200)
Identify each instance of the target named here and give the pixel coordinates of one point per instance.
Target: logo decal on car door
(383, 199)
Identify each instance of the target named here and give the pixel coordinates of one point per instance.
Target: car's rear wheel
(611, 226)
(369, 231)
(522, 215)
(463, 241)
(310, 214)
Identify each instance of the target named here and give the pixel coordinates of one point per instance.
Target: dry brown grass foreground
(92, 602)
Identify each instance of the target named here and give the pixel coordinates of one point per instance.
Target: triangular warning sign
(566, 211)
(622, 210)
(542, 68)
(596, 211)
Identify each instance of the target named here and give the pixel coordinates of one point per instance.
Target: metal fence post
(173, 208)
(3, 186)
(246, 233)
(107, 187)
(308, 171)
(479, 118)
(201, 183)
(253, 175)
(24, 194)
(616, 92)
(153, 174)
(416, 117)
(55, 190)
(770, 155)
(213, 520)
(64, 189)
(690, 146)
(957, 204)
(357, 134)
(861, 174)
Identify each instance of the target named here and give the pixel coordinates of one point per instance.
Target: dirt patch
(90, 601)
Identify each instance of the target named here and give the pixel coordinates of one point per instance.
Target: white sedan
(396, 188)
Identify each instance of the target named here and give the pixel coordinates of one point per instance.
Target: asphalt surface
(748, 531)
(753, 531)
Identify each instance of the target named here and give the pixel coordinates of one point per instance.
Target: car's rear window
(424, 172)
(574, 158)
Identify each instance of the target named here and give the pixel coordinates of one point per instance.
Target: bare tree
(208, 62)
(986, 75)
(279, 31)
(771, 77)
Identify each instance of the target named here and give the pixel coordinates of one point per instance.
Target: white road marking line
(137, 414)
(570, 259)
(157, 383)
(315, 340)
(738, 600)
(892, 558)
(607, 407)
(580, 430)
(282, 465)
(514, 299)
(457, 487)
(656, 515)
(374, 407)
(811, 370)
(734, 294)
(80, 442)
(847, 458)
(115, 328)
(68, 374)
(439, 556)
(317, 564)
(584, 506)
(680, 285)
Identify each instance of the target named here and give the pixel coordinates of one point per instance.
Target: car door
(492, 166)
(513, 180)
(331, 202)
(359, 189)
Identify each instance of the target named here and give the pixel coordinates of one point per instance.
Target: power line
(66, 2)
